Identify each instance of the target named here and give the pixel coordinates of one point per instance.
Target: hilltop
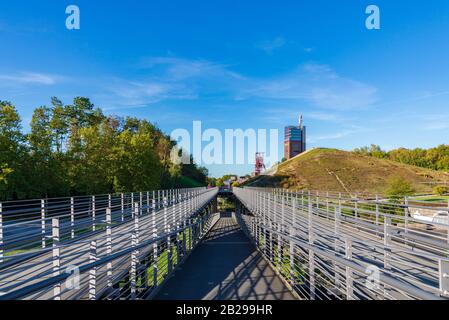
(343, 171)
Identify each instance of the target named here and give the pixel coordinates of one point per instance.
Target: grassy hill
(342, 171)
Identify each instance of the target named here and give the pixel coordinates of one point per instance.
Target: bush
(399, 187)
(440, 190)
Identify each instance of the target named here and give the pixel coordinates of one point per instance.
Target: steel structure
(259, 166)
(334, 246)
(125, 246)
(100, 247)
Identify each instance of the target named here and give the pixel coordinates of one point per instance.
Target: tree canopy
(434, 158)
(75, 150)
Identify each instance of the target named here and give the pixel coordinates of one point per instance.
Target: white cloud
(433, 122)
(332, 136)
(271, 45)
(171, 78)
(29, 78)
(318, 85)
(120, 93)
(324, 116)
(178, 69)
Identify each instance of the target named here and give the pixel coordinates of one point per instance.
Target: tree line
(434, 158)
(76, 149)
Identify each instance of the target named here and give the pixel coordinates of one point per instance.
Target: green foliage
(440, 190)
(211, 182)
(219, 182)
(75, 149)
(373, 151)
(435, 158)
(399, 187)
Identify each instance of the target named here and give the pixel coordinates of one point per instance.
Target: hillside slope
(342, 171)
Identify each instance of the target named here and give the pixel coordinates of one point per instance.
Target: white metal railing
(106, 246)
(338, 247)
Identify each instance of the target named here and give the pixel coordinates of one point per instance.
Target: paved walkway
(226, 266)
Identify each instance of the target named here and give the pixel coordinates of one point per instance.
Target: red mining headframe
(260, 166)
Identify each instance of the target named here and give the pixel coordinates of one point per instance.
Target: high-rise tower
(295, 140)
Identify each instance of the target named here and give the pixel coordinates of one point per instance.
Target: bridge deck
(226, 266)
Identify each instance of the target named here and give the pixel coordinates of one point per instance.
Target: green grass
(435, 199)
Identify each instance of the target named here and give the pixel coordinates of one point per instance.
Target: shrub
(399, 187)
(440, 190)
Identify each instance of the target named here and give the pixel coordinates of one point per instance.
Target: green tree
(13, 154)
(220, 182)
(75, 150)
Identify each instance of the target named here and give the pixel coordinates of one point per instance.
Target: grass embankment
(342, 171)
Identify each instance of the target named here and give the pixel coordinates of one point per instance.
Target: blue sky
(245, 64)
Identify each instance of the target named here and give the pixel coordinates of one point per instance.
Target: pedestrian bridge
(176, 245)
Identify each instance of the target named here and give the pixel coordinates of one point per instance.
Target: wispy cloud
(318, 85)
(119, 93)
(172, 78)
(324, 116)
(272, 45)
(29, 78)
(434, 122)
(178, 69)
(337, 135)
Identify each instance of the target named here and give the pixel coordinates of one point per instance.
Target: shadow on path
(226, 266)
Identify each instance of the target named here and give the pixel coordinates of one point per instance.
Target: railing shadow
(225, 267)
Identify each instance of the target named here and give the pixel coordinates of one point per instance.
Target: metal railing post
(444, 277)
(43, 224)
(377, 213)
(1, 233)
(109, 245)
(148, 202)
(134, 254)
(140, 203)
(155, 250)
(280, 229)
(122, 206)
(336, 249)
(184, 238)
(93, 214)
(387, 241)
(447, 229)
(265, 223)
(169, 245)
(311, 254)
(72, 217)
(349, 280)
(56, 253)
(271, 228)
(387, 246)
(93, 271)
(292, 245)
(406, 216)
(132, 205)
